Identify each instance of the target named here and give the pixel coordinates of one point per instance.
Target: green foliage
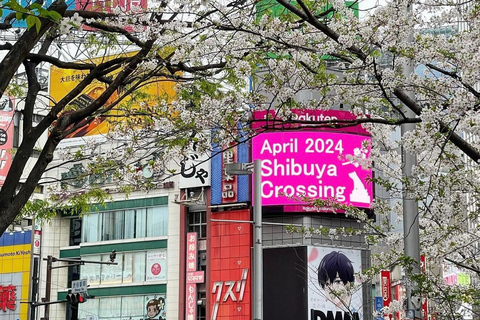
(31, 14)
(91, 200)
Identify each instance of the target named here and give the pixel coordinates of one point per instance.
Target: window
(92, 232)
(137, 266)
(109, 308)
(91, 271)
(112, 274)
(201, 309)
(125, 224)
(157, 221)
(129, 224)
(118, 308)
(16, 128)
(113, 225)
(197, 222)
(128, 268)
(133, 306)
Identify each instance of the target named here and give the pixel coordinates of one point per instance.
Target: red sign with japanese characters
(7, 298)
(191, 287)
(229, 286)
(386, 288)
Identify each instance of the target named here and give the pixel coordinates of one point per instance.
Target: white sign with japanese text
(195, 169)
(156, 265)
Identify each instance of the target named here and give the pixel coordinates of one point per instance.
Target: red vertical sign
(423, 266)
(386, 288)
(6, 136)
(191, 288)
(229, 285)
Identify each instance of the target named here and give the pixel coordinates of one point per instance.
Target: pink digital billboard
(302, 118)
(318, 164)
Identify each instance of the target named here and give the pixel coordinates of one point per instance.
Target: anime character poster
(333, 286)
(155, 307)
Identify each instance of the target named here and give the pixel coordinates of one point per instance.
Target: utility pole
(48, 289)
(410, 205)
(257, 246)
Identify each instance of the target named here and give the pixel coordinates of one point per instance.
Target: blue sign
(378, 303)
(378, 306)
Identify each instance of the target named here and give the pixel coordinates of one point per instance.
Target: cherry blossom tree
(230, 58)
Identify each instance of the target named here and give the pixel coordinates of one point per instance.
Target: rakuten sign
(320, 165)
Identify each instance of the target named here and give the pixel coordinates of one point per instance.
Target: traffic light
(79, 297)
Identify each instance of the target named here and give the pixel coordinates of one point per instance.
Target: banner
(6, 136)
(386, 287)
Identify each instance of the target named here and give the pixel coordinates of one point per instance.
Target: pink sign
(320, 165)
(191, 302)
(196, 277)
(319, 119)
(6, 136)
(191, 251)
(124, 6)
(191, 286)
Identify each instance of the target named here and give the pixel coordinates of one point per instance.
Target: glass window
(112, 273)
(157, 221)
(128, 267)
(118, 308)
(91, 271)
(197, 222)
(113, 225)
(90, 227)
(140, 223)
(125, 224)
(110, 308)
(139, 266)
(129, 224)
(90, 308)
(133, 306)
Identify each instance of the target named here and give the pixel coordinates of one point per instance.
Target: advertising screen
(301, 118)
(319, 165)
(334, 291)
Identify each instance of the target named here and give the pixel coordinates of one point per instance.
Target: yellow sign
(15, 261)
(63, 81)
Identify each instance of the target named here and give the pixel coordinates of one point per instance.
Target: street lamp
(242, 169)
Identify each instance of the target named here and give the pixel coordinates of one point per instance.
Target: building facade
(223, 226)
